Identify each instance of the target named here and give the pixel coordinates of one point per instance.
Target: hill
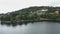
(36, 13)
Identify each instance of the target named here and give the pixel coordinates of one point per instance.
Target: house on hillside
(44, 11)
(41, 11)
(57, 11)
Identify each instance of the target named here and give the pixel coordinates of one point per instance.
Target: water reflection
(30, 28)
(15, 23)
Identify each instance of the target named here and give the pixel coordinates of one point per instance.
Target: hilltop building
(42, 11)
(57, 11)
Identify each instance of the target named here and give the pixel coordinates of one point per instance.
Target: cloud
(12, 5)
(56, 3)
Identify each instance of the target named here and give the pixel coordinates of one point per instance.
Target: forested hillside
(32, 13)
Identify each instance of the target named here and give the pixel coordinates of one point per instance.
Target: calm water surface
(31, 28)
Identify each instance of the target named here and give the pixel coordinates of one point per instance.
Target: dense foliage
(30, 14)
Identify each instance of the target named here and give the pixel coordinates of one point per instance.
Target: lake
(31, 28)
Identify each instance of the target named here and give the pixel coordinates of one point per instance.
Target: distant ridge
(31, 13)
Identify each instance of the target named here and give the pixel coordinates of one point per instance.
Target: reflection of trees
(15, 24)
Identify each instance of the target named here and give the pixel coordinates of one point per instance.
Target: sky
(12, 5)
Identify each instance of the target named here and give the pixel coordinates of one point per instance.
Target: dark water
(31, 28)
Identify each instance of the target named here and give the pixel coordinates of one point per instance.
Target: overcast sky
(12, 5)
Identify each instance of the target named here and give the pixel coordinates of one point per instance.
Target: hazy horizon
(12, 5)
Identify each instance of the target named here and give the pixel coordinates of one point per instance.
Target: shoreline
(26, 21)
